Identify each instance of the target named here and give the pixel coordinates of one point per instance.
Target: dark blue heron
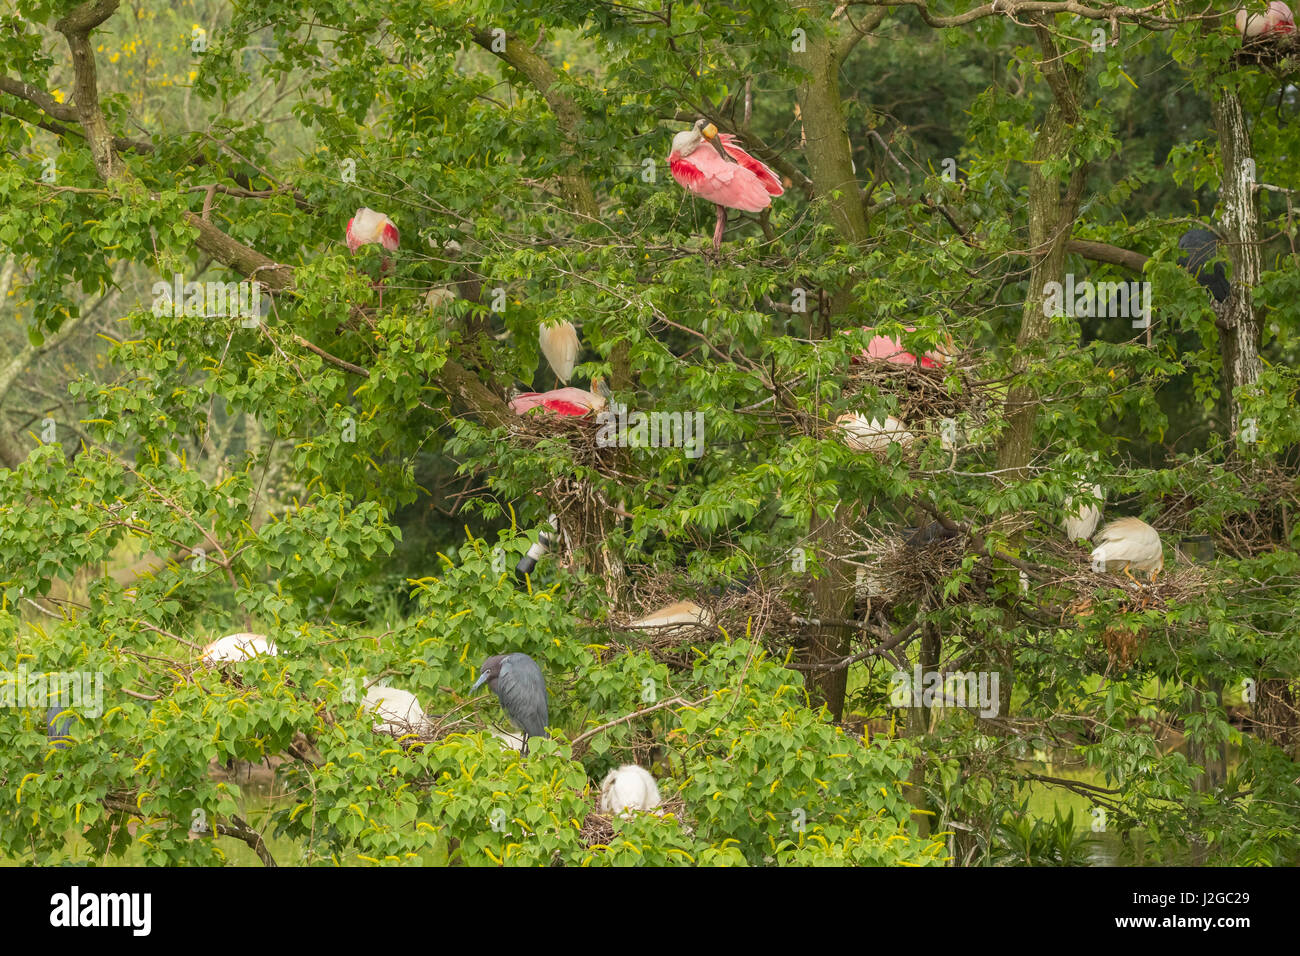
(519, 685)
(928, 535)
(1199, 247)
(58, 730)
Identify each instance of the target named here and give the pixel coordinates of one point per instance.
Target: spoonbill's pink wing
(771, 182)
(711, 177)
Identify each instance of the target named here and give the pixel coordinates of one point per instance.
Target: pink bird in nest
(888, 349)
(569, 401)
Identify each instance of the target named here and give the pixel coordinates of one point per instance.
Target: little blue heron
(519, 685)
(1199, 247)
(58, 730)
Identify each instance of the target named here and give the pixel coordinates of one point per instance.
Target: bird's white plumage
(628, 789)
(1251, 24)
(560, 345)
(687, 141)
(368, 226)
(238, 647)
(1129, 544)
(510, 741)
(681, 614)
(396, 711)
(438, 299)
(873, 435)
(1081, 519)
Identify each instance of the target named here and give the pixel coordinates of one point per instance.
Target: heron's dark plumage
(1199, 247)
(521, 687)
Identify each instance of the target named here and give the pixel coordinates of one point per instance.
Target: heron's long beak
(482, 679)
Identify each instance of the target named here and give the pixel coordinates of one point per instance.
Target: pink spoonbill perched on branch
(368, 227)
(725, 175)
(571, 402)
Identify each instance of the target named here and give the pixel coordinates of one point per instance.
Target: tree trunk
(1238, 322)
(830, 162)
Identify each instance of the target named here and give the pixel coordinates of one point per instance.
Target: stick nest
(601, 829)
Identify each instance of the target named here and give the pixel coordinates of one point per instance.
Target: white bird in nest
(560, 345)
(681, 615)
(508, 740)
(1081, 518)
(1129, 544)
(238, 647)
(628, 789)
(396, 711)
(439, 299)
(873, 435)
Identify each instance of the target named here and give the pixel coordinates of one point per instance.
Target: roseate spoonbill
(1277, 19)
(1081, 519)
(679, 616)
(873, 435)
(238, 647)
(1129, 543)
(368, 227)
(889, 349)
(726, 175)
(519, 685)
(396, 711)
(560, 345)
(568, 401)
(1199, 247)
(1280, 19)
(628, 789)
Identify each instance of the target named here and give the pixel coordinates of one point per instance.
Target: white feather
(1129, 543)
(508, 741)
(873, 435)
(1081, 520)
(627, 789)
(396, 711)
(560, 345)
(682, 614)
(238, 647)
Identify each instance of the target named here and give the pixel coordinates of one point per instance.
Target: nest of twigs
(435, 727)
(1176, 584)
(1274, 487)
(922, 393)
(740, 609)
(579, 432)
(601, 829)
(1267, 50)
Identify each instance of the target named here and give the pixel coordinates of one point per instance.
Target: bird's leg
(717, 230)
(523, 750)
(1130, 577)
